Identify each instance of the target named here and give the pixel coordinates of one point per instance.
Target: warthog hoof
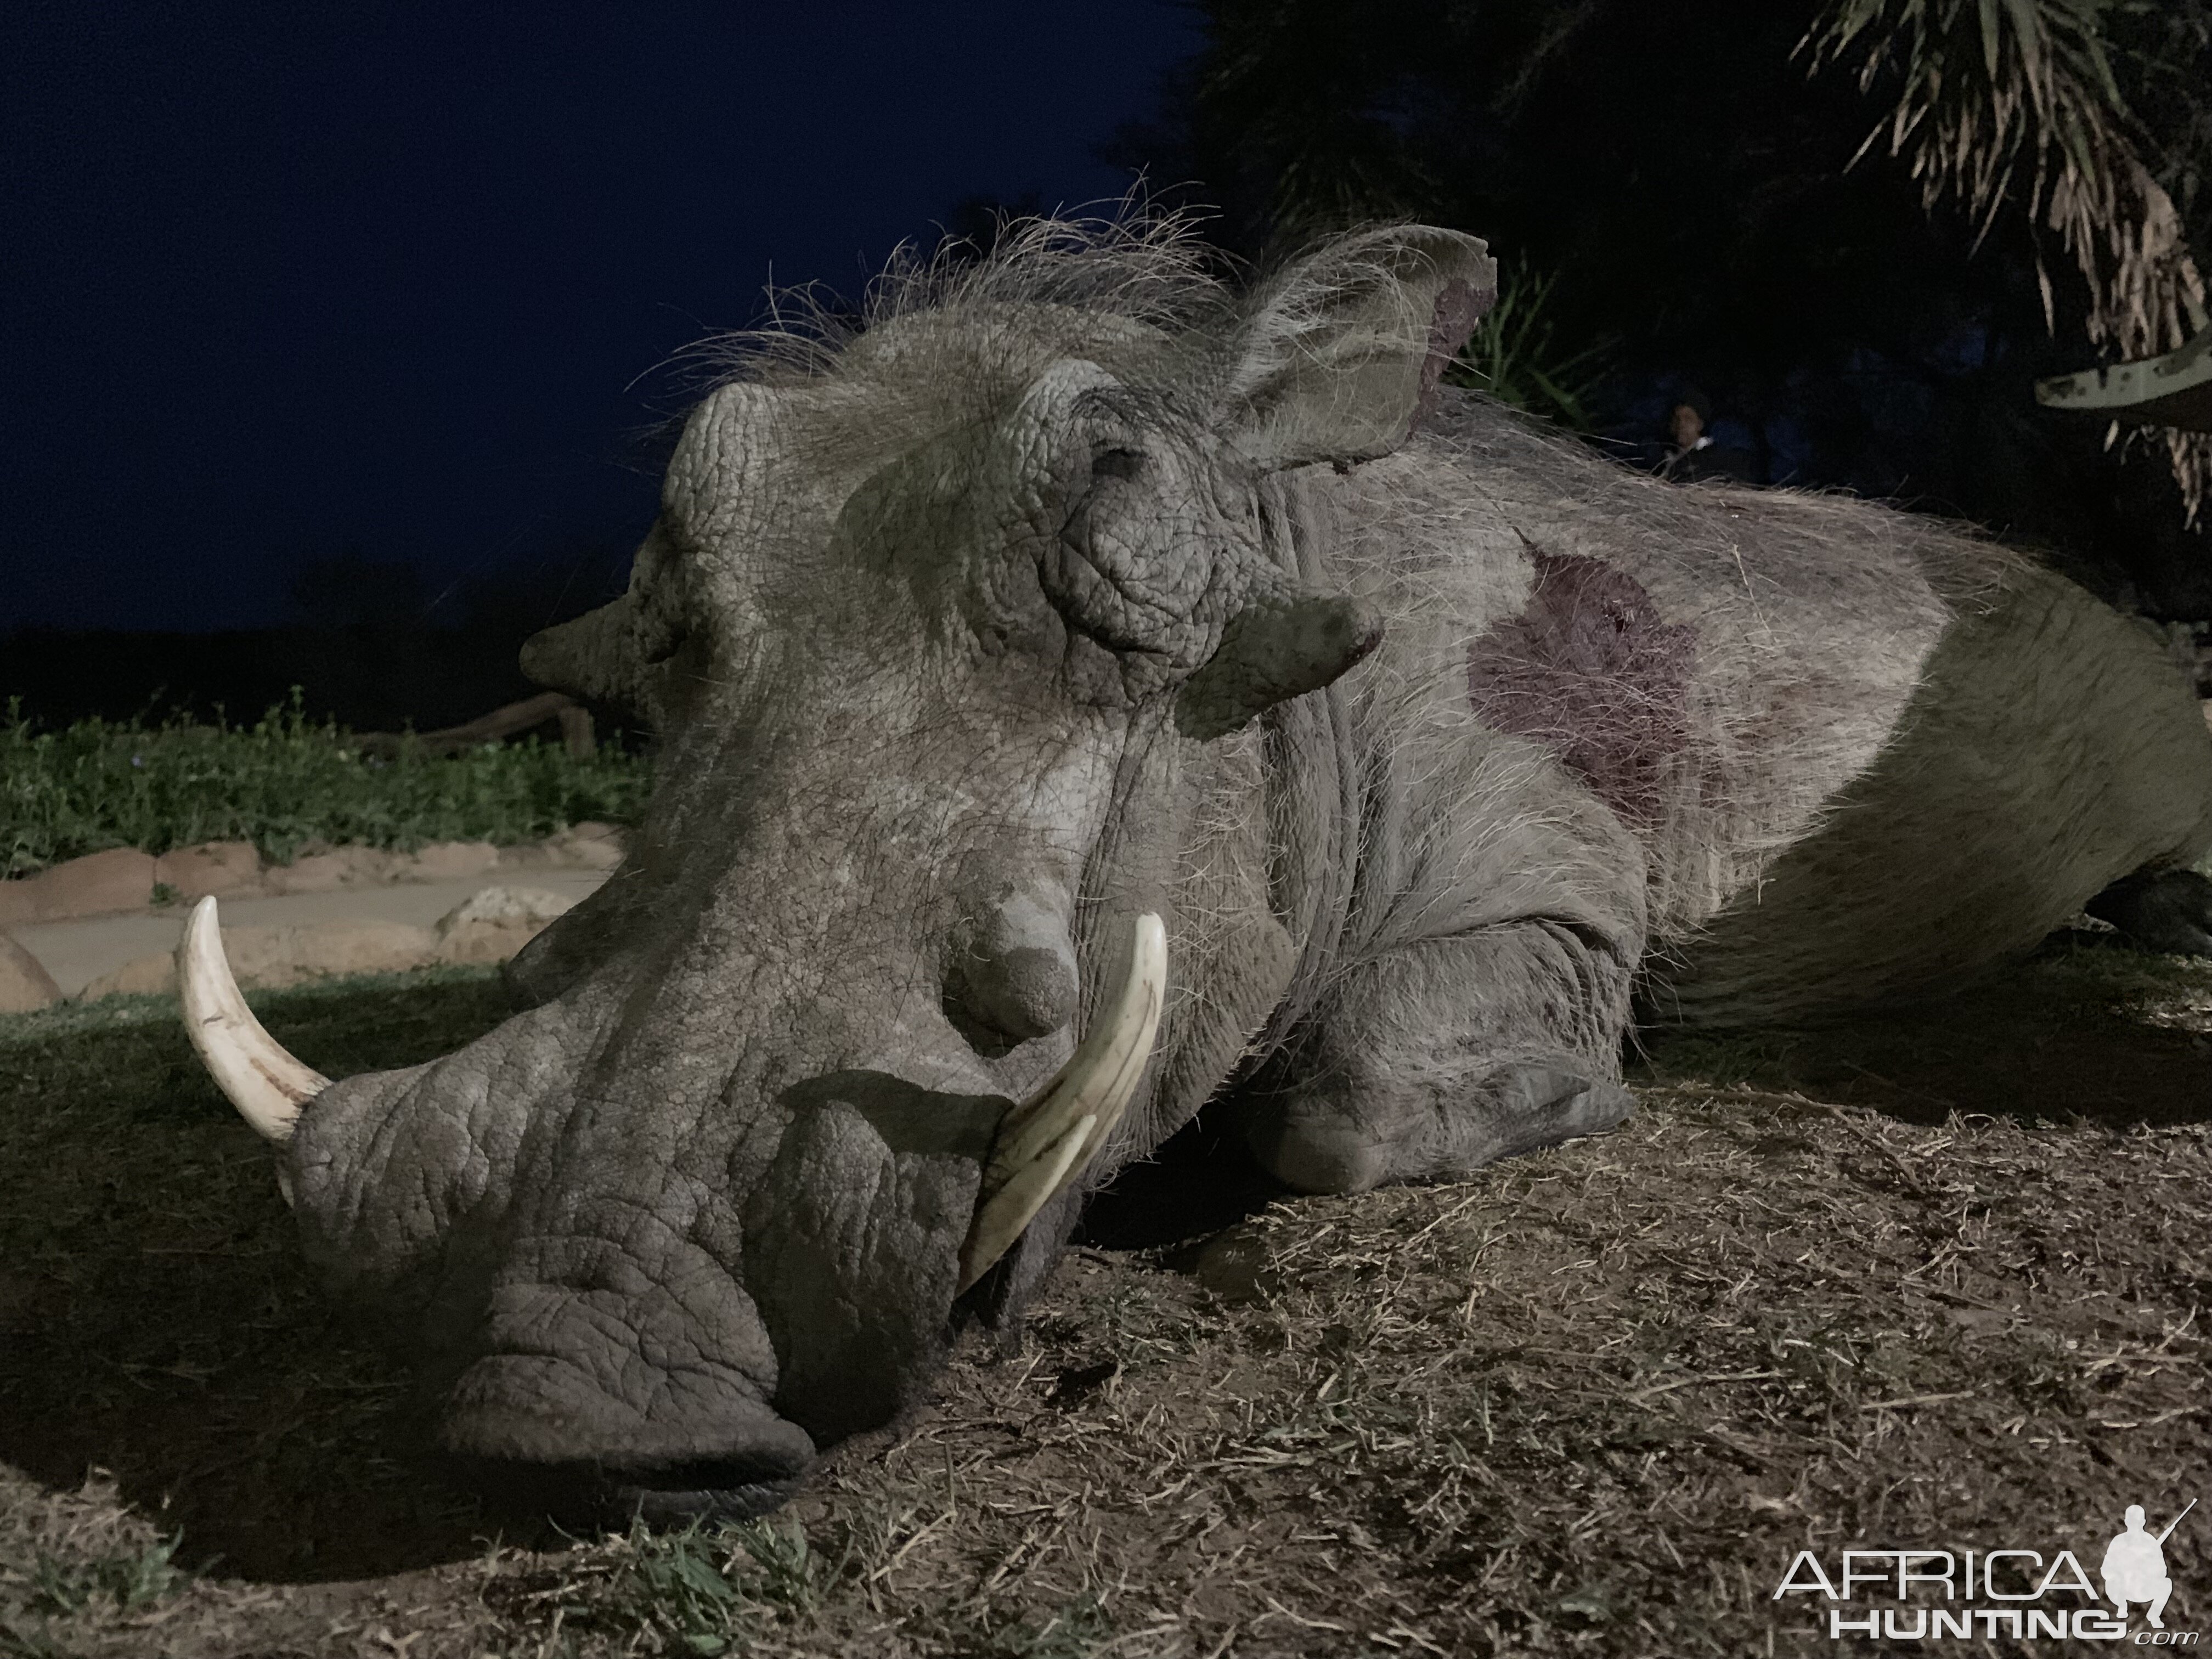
(1339, 1137)
(2170, 911)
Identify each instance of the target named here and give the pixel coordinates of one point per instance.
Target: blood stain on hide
(1590, 672)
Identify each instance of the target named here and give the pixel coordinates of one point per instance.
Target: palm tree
(1998, 102)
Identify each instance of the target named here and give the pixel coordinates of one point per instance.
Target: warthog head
(930, 627)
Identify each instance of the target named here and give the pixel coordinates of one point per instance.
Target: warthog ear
(1279, 646)
(612, 654)
(1342, 351)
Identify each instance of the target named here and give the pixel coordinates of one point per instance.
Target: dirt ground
(1930, 1283)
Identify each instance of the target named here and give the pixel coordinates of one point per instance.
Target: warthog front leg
(1441, 1057)
(2169, 911)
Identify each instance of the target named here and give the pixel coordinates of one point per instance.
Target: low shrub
(282, 783)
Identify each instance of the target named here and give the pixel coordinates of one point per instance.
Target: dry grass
(1592, 1401)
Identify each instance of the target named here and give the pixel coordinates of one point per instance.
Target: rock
(227, 869)
(268, 958)
(146, 975)
(328, 872)
(491, 926)
(591, 845)
(101, 884)
(448, 860)
(24, 985)
(95, 884)
(587, 846)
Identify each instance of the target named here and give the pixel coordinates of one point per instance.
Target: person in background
(1693, 457)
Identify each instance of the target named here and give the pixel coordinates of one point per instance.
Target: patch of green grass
(702, 1588)
(788, 1574)
(29, 1642)
(131, 1579)
(130, 1054)
(160, 1328)
(1075, 1630)
(681, 1587)
(282, 783)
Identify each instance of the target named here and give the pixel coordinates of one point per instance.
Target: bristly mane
(1139, 263)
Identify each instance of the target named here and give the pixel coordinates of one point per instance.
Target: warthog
(1083, 646)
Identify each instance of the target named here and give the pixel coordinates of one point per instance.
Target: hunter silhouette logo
(2021, 1594)
(2135, 1566)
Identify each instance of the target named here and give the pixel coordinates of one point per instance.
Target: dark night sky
(279, 281)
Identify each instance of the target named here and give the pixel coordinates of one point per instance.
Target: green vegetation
(1513, 356)
(131, 1578)
(1075, 1630)
(701, 1588)
(282, 783)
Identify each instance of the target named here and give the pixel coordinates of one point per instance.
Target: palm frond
(1995, 101)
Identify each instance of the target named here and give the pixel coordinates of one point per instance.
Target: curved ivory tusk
(266, 1085)
(1042, 1144)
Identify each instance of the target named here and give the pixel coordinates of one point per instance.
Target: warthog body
(1053, 599)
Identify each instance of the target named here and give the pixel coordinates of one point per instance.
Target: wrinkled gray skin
(1039, 605)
